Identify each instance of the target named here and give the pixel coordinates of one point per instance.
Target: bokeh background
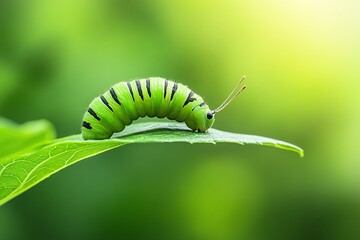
(302, 62)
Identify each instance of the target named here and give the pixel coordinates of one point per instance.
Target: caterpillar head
(206, 117)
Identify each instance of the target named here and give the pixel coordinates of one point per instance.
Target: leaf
(14, 137)
(21, 172)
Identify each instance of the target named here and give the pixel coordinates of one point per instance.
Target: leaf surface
(15, 138)
(20, 172)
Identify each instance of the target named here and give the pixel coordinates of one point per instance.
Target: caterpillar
(153, 97)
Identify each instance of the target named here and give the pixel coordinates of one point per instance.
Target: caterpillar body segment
(153, 97)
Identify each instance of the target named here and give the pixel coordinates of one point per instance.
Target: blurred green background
(302, 62)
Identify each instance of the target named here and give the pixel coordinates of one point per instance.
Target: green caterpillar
(152, 97)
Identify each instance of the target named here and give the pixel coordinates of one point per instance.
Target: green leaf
(21, 172)
(15, 138)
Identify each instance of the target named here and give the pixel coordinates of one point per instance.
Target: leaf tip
(301, 153)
